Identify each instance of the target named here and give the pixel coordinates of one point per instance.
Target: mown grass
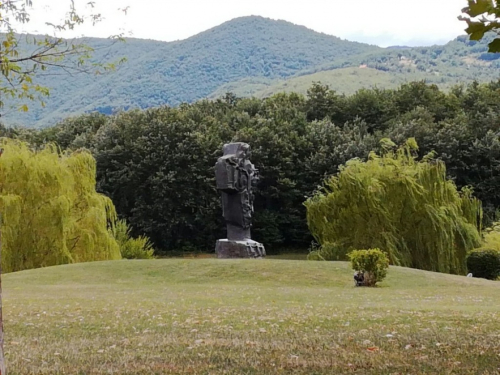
(209, 316)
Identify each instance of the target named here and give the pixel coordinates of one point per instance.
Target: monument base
(226, 249)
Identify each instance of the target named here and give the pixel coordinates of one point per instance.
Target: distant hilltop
(247, 56)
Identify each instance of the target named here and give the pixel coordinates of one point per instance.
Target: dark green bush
(484, 263)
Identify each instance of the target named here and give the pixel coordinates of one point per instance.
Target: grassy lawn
(209, 316)
(289, 256)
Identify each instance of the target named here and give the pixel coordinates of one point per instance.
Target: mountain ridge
(252, 55)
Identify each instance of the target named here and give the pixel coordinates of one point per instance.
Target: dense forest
(157, 165)
(249, 56)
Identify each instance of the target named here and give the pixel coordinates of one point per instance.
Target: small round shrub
(484, 263)
(373, 263)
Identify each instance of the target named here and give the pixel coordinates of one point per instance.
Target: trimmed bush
(373, 263)
(484, 263)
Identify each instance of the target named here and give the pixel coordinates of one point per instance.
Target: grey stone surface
(236, 176)
(239, 249)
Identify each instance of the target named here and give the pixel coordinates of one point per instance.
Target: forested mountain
(247, 56)
(459, 61)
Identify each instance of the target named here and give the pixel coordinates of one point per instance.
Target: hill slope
(459, 61)
(255, 316)
(170, 73)
(250, 56)
(343, 80)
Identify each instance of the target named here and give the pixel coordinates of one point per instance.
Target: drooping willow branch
(405, 207)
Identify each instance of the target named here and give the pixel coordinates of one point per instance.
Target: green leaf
(476, 30)
(478, 7)
(494, 46)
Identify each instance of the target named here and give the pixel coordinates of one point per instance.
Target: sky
(381, 22)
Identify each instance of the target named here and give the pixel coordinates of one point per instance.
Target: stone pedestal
(239, 249)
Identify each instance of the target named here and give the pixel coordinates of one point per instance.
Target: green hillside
(160, 73)
(248, 56)
(246, 317)
(460, 61)
(343, 80)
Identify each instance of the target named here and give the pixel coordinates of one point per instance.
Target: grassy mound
(246, 317)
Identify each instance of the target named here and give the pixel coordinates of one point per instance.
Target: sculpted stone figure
(236, 176)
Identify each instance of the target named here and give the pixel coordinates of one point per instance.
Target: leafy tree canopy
(157, 165)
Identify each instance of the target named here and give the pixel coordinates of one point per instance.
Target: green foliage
(404, 206)
(328, 251)
(373, 263)
(157, 165)
(482, 18)
(491, 236)
(158, 169)
(484, 262)
(51, 213)
(131, 248)
(183, 71)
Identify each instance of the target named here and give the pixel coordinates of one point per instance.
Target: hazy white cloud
(382, 22)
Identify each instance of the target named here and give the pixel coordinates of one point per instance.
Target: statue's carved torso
(236, 176)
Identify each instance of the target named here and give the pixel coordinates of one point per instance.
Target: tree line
(156, 165)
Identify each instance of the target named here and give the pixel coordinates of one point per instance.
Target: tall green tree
(2, 358)
(51, 213)
(157, 166)
(405, 207)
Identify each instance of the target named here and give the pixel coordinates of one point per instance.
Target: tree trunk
(2, 362)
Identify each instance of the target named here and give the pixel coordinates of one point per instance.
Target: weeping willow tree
(51, 213)
(407, 208)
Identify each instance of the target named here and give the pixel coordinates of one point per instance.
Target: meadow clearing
(209, 316)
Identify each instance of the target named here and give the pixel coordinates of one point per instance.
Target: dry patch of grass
(471, 60)
(209, 316)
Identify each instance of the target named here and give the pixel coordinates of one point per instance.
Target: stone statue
(236, 176)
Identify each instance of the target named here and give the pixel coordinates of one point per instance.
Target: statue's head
(240, 150)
